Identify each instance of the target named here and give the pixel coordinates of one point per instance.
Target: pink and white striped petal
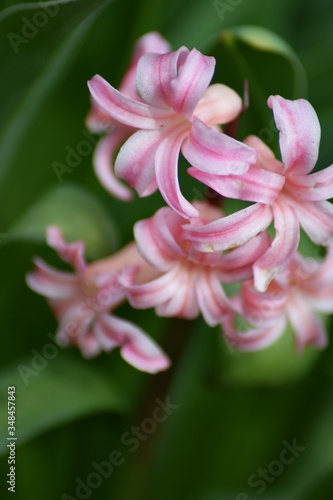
(313, 187)
(155, 292)
(231, 231)
(263, 308)
(246, 254)
(255, 185)
(154, 76)
(136, 347)
(216, 153)
(51, 283)
(151, 42)
(166, 169)
(135, 162)
(125, 110)
(266, 159)
(213, 302)
(194, 76)
(183, 302)
(69, 252)
(316, 218)
(299, 133)
(283, 249)
(237, 264)
(308, 327)
(156, 240)
(255, 339)
(218, 105)
(88, 345)
(104, 168)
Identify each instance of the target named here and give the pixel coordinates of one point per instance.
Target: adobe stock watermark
(223, 8)
(32, 25)
(39, 360)
(75, 156)
(130, 441)
(263, 477)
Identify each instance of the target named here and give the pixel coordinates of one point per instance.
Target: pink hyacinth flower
(284, 191)
(306, 287)
(81, 302)
(190, 281)
(177, 113)
(116, 133)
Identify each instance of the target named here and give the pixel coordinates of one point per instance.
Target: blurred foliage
(235, 410)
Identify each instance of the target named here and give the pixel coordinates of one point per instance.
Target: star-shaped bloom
(190, 281)
(116, 133)
(81, 302)
(176, 112)
(302, 290)
(284, 191)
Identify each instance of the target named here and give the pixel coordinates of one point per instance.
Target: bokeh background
(235, 411)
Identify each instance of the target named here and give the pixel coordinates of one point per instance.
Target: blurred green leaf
(74, 210)
(265, 41)
(52, 388)
(33, 60)
(223, 432)
(268, 64)
(275, 365)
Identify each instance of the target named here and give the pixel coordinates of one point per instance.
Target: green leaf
(53, 388)
(74, 210)
(275, 365)
(33, 64)
(269, 65)
(263, 41)
(237, 427)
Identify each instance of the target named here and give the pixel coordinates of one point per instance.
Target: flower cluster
(187, 251)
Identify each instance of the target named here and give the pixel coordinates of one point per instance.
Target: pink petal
(51, 283)
(155, 74)
(316, 218)
(308, 327)
(69, 252)
(125, 110)
(216, 153)
(136, 159)
(313, 187)
(266, 159)
(231, 231)
(299, 133)
(98, 120)
(265, 307)
(88, 345)
(136, 347)
(247, 253)
(155, 292)
(103, 165)
(219, 104)
(237, 264)
(151, 42)
(166, 168)
(183, 302)
(192, 80)
(284, 247)
(321, 301)
(75, 318)
(255, 185)
(213, 302)
(254, 339)
(156, 241)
